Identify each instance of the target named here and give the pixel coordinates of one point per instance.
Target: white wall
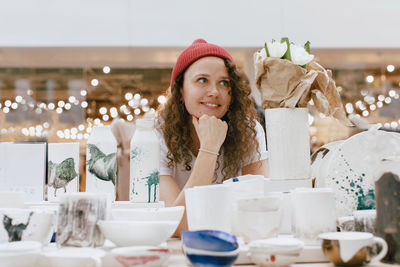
(246, 23)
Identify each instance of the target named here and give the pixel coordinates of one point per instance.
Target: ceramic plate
(351, 168)
(319, 160)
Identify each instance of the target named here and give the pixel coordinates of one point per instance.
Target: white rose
(276, 49)
(299, 55)
(259, 56)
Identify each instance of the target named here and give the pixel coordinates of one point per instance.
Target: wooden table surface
(178, 258)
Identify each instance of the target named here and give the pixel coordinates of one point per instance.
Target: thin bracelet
(208, 151)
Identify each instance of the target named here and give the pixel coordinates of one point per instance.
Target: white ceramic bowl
(138, 233)
(72, 256)
(135, 205)
(149, 214)
(20, 253)
(275, 251)
(141, 255)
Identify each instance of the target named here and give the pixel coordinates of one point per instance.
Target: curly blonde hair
(241, 117)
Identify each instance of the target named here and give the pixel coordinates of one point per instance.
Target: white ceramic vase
(145, 163)
(288, 141)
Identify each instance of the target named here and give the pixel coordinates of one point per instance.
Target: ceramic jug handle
(97, 261)
(384, 250)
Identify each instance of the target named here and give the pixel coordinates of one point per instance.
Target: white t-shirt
(181, 175)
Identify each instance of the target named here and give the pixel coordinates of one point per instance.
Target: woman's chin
(210, 114)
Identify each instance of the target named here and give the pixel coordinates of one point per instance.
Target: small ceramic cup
(259, 217)
(365, 221)
(313, 213)
(77, 219)
(352, 248)
(361, 221)
(26, 225)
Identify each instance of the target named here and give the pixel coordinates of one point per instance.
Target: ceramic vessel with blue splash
(210, 248)
(212, 240)
(204, 258)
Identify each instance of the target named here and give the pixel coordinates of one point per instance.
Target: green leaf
(307, 47)
(266, 50)
(287, 54)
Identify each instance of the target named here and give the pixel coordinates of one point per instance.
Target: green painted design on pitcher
(153, 179)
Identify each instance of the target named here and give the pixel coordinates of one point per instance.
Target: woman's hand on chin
(210, 131)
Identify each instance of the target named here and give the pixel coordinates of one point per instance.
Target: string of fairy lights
(371, 102)
(135, 105)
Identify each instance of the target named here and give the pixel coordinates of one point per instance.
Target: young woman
(208, 124)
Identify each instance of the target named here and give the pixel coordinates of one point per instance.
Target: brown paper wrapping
(285, 85)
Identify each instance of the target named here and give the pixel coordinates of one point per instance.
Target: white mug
(313, 213)
(209, 207)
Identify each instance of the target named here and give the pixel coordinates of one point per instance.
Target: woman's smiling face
(206, 88)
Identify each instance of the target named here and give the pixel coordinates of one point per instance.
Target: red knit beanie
(199, 48)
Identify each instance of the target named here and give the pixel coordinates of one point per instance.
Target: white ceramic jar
(144, 163)
(288, 137)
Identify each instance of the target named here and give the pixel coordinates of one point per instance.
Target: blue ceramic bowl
(210, 240)
(205, 258)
